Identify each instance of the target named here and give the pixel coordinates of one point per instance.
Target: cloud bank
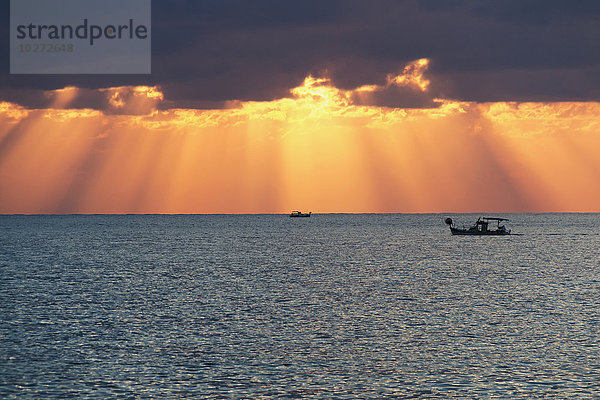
(249, 156)
(209, 52)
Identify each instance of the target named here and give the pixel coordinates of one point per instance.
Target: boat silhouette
(299, 214)
(481, 227)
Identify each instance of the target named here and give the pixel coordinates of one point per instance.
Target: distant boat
(299, 214)
(481, 227)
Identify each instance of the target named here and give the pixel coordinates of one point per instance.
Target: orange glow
(62, 97)
(133, 100)
(315, 151)
(412, 75)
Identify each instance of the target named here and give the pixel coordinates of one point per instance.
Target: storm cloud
(206, 53)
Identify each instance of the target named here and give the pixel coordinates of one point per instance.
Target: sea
(335, 306)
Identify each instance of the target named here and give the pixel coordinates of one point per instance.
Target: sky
(323, 106)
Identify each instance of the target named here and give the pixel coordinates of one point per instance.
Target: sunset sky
(323, 106)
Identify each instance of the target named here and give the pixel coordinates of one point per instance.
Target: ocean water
(266, 306)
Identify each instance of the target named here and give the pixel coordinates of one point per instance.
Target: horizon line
(313, 213)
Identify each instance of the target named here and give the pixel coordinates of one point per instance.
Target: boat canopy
(494, 219)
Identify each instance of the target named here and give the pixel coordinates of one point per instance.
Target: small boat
(481, 227)
(299, 214)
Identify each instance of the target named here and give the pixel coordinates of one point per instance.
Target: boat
(299, 214)
(481, 227)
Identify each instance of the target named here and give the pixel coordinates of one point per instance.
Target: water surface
(267, 306)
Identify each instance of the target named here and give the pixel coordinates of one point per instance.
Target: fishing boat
(299, 214)
(481, 227)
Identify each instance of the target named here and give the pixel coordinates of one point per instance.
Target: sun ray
(315, 150)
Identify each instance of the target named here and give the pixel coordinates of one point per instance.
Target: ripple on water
(335, 306)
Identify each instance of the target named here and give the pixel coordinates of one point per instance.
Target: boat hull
(299, 215)
(474, 232)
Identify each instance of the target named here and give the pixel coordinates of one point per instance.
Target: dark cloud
(124, 100)
(538, 11)
(208, 52)
(550, 85)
